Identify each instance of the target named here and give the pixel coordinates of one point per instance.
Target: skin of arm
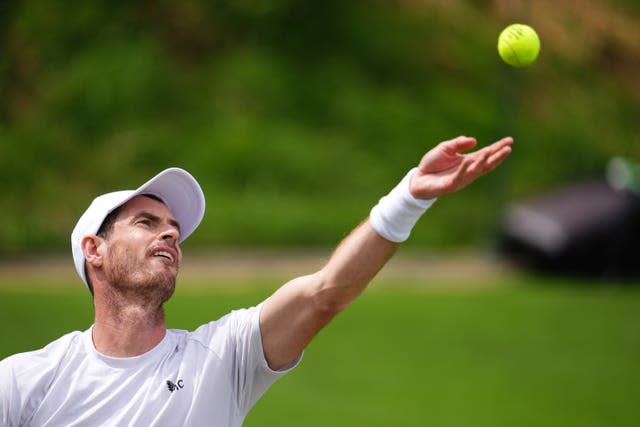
(296, 312)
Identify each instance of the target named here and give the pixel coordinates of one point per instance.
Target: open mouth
(164, 254)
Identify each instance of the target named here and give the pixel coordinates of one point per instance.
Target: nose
(170, 235)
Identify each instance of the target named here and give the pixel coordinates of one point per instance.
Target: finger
(461, 178)
(497, 158)
(503, 142)
(505, 139)
(496, 147)
(460, 143)
(487, 158)
(480, 160)
(492, 161)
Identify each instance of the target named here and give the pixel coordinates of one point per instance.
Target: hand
(444, 170)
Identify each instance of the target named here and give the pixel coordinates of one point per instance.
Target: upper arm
(291, 317)
(296, 312)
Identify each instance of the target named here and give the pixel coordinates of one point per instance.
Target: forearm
(294, 314)
(368, 248)
(354, 263)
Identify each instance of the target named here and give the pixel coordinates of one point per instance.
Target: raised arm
(296, 312)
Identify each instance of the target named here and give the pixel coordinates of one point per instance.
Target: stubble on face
(140, 261)
(133, 280)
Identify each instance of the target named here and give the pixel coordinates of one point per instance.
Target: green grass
(527, 354)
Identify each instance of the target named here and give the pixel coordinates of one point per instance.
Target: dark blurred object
(589, 229)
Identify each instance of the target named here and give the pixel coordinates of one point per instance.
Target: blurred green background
(296, 116)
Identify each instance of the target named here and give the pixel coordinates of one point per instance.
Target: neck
(126, 327)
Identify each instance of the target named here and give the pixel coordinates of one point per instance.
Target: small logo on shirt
(175, 386)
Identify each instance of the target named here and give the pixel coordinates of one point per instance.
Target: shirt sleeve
(254, 374)
(237, 340)
(7, 412)
(25, 378)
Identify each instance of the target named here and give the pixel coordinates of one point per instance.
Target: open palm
(444, 169)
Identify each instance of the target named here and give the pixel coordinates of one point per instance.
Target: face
(141, 253)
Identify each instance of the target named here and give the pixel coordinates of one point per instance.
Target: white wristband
(396, 213)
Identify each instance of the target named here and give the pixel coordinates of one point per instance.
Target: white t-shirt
(209, 377)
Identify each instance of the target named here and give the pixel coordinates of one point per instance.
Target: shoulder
(33, 362)
(218, 334)
(231, 324)
(27, 376)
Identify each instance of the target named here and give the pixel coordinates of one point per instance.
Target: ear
(91, 248)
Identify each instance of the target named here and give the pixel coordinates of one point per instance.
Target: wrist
(396, 214)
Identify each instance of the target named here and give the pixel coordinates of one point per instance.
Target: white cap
(174, 186)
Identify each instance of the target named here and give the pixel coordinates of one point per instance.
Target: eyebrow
(155, 218)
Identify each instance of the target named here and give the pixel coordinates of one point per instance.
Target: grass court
(523, 351)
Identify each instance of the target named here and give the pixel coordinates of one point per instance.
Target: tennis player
(128, 369)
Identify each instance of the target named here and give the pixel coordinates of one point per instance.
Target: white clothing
(209, 377)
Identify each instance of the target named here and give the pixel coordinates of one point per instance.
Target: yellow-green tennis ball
(518, 45)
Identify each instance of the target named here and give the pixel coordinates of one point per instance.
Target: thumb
(446, 154)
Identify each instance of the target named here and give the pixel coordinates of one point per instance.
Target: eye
(145, 222)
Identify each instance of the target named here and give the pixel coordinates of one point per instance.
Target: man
(129, 369)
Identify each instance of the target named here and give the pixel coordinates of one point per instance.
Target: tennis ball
(518, 45)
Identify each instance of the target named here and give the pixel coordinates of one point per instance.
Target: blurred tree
(297, 115)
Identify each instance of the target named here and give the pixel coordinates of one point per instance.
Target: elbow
(329, 298)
